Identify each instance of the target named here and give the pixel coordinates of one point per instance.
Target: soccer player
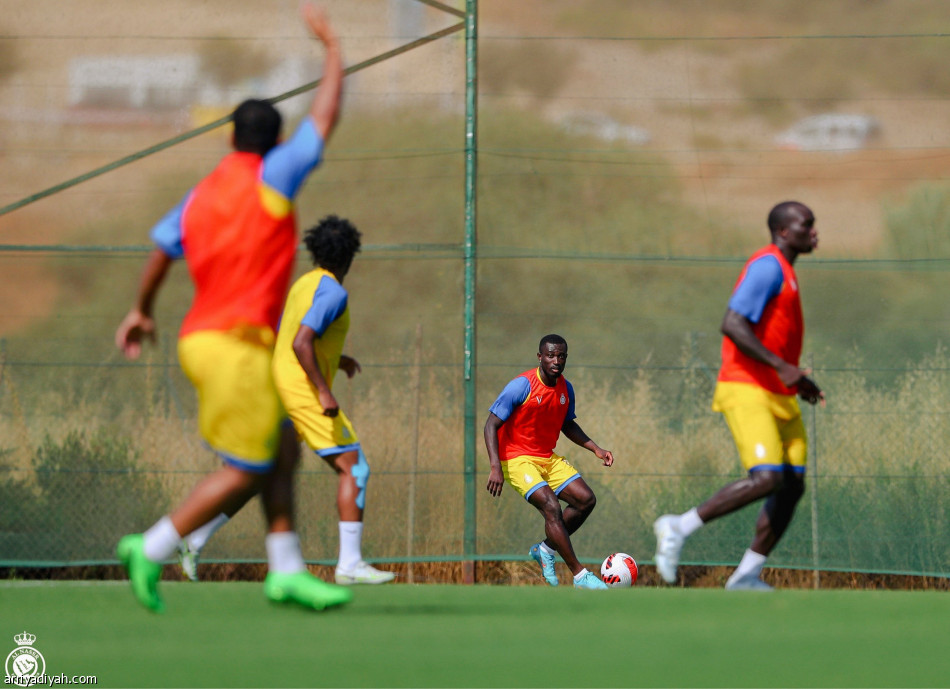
(308, 353)
(756, 391)
(521, 432)
(237, 232)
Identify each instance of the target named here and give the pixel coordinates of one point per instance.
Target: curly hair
(332, 243)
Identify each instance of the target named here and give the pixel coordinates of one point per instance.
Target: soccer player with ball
(521, 432)
(756, 392)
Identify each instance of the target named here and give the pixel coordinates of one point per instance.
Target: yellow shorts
(239, 412)
(325, 435)
(766, 427)
(527, 474)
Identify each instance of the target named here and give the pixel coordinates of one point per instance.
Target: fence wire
(626, 162)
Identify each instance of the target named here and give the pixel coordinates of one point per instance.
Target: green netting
(627, 246)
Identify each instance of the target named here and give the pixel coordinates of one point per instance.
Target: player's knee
(548, 503)
(588, 502)
(767, 482)
(793, 488)
(360, 472)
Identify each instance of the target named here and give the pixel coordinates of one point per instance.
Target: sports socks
(545, 549)
(196, 539)
(688, 522)
(750, 565)
(351, 537)
(580, 575)
(283, 553)
(161, 541)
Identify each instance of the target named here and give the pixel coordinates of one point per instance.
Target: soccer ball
(619, 570)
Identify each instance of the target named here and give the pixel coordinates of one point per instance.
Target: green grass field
(493, 636)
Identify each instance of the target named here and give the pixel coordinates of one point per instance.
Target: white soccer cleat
(363, 573)
(669, 543)
(188, 559)
(746, 583)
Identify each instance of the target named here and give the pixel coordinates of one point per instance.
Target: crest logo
(24, 662)
(563, 398)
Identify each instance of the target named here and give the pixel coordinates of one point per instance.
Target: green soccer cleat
(143, 573)
(305, 589)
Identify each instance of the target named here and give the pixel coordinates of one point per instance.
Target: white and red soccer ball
(619, 570)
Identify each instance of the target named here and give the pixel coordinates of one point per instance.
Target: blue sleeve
(287, 165)
(515, 393)
(762, 281)
(570, 402)
(167, 232)
(329, 303)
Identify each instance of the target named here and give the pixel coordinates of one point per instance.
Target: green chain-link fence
(626, 162)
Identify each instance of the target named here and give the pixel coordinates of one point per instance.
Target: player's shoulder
(765, 266)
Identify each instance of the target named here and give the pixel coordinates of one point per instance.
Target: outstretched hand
(606, 456)
(135, 328)
(318, 23)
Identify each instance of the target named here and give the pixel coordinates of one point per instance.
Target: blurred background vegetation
(627, 248)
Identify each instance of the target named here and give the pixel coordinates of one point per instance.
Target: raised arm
(326, 102)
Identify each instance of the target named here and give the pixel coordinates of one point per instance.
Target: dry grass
(512, 573)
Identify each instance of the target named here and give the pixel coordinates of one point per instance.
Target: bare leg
(554, 528)
(757, 485)
(226, 490)
(777, 514)
(277, 493)
(347, 490)
(580, 501)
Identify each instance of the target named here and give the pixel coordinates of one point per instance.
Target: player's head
(551, 339)
(552, 357)
(256, 126)
(332, 243)
(792, 225)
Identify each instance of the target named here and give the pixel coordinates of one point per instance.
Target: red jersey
(240, 256)
(533, 427)
(780, 328)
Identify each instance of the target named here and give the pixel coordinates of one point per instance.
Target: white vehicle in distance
(829, 132)
(603, 127)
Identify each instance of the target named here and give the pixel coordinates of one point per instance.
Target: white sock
(688, 522)
(750, 566)
(580, 575)
(161, 541)
(196, 539)
(351, 538)
(283, 553)
(545, 549)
